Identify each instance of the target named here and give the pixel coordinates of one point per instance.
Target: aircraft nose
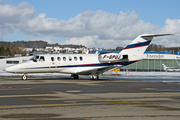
(12, 69)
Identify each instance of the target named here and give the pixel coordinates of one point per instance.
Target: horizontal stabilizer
(153, 35)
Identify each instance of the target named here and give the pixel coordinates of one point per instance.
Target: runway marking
(69, 104)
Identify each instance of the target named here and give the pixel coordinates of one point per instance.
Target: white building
(57, 48)
(11, 61)
(153, 62)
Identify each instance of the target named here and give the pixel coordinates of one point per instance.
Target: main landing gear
(75, 76)
(24, 77)
(95, 77)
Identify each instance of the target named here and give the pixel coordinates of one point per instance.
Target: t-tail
(132, 52)
(138, 46)
(164, 66)
(177, 63)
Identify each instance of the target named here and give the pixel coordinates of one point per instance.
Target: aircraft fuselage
(62, 63)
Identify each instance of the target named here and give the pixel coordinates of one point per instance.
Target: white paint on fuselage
(84, 62)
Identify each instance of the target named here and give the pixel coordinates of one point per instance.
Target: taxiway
(85, 99)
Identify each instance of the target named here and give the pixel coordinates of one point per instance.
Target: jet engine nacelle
(112, 57)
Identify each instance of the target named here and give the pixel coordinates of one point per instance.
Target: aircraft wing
(97, 70)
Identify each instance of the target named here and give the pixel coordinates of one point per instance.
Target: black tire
(24, 77)
(76, 76)
(95, 77)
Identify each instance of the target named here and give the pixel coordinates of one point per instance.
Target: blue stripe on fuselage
(138, 45)
(87, 65)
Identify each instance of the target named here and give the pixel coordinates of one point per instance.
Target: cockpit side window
(32, 58)
(35, 58)
(42, 58)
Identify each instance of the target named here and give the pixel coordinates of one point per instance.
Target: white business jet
(170, 69)
(85, 64)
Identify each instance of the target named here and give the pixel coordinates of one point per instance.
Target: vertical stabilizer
(164, 66)
(137, 47)
(177, 63)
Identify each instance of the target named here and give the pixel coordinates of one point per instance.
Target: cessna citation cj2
(85, 64)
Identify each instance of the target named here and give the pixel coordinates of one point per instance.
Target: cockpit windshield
(35, 58)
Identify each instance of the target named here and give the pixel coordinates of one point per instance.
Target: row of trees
(5, 52)
(12, 48)
(37, 44)
(31, 44)
(11, 51)
(154, 47)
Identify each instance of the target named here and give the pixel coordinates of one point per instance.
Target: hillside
(12, 48)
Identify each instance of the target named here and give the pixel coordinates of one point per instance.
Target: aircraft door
(53, 64)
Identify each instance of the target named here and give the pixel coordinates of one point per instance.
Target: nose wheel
(24, 77)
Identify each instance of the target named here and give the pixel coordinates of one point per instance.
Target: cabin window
(42, 58)
(52, 58)
(64, 58)
(75, 58)
(12, 62)
(58, 58)
(81, 58)
(70, 58)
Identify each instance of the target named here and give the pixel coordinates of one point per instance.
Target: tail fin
(137, 47)
(164, 66)
(177, 63)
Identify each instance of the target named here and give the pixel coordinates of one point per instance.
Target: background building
(11, 61)
(152, 61)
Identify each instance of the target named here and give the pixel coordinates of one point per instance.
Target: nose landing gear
(24, 77)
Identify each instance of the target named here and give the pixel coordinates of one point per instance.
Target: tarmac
(110, 98)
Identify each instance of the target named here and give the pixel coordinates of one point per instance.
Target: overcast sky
(93, 23)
